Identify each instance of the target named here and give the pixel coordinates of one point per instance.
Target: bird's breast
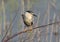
(29, 16)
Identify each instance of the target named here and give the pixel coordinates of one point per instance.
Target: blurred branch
(48, 20)
(38, 30)
(10, 26)
(52, 29)
(24, 31)
(4, 16)
(20, 21)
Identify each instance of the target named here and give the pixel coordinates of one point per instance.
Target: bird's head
(30, 12)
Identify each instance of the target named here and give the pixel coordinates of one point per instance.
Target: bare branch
(24, 31)
(10, 25)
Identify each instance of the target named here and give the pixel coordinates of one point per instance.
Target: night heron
(28, 17)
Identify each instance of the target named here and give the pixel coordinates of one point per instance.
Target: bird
(28, 17)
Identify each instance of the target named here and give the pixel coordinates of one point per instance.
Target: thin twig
(48, 15)
(24, 31)
(9, 26)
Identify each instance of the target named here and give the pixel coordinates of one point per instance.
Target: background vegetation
(48, 11)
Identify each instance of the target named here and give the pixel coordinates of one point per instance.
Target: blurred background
(48, 11)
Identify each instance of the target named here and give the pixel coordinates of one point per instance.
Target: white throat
(28, 15)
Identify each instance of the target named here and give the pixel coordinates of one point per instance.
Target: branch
(10, 25)
(24, 31)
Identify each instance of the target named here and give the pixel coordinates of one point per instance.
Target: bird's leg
(30, 34)
(30, 27)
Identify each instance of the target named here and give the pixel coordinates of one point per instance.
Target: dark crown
(29, 11)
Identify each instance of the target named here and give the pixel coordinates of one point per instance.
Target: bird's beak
(34, 15)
